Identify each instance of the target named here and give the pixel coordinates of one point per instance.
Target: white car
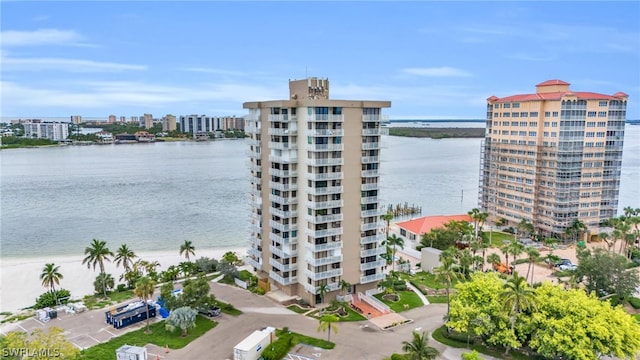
(565, 267)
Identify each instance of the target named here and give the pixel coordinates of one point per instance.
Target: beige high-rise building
(315, 210)
(169, 123)
(552, 157)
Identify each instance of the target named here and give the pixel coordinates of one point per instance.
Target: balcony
(282, 132)
(375, 118)
(371, 278)
(282, 227)
(371, 186)
(255, 242)
(371, 146)
(283, 200)
(370, 159)
(282, 173)
(254, 155)
(283, 159)
(314, 289)
(326, 132)
(370, 173)
(373, 252)
(283, 214)
(253, 167)
(324, 204)
(252, 129)
(325, 147)
(282, 187)
(283, 240)
(369, 200)
(373, 265)
(371, 239)
(325, 176)
(374, 212)
(315, 276)
(324, 161)
(319, 219)
(282, 267)
(370, 132)
(283, 252)
(325, 117)
(253, 142)
(326, 246)
(323, 261)
(282, 280)
(281, 145)
(283, 118)
(253, 252)
(255, 263)
(324, 233)
(325, 190)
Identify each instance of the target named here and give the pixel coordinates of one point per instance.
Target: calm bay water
(154, 196)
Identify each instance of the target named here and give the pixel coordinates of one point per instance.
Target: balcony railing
(372, 265)
(282, 227)
(326, 132)
(324, 161)
(326, 246)
(370, 159)
(282, 187)
(370, 226)
(325, 176)
(283, 240)
(281, 145)
(370, 146)
(370, 132)
(324, 218)
(369, 200)
(373, 186)
(373, 252)
(282, 252)
(371, 239)
(283, 159)
(325, 147)
(324, 204)
(323, 233)
(375, 118)
(323, 261)
(282, 213)
(282, 132)
(254, 252)
(371, 278)
(325, 190)
(255, 263)
(370, 173)
(282, 280)
(282, 173)
(325, 117)
(283, 200)
(282, 267)
(254, 241)
(283, 118)
(315, 276)
(374, 212)
(252, 166)
(314, 289)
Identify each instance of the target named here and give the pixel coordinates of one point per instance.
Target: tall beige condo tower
(553, 157)
(315, 211)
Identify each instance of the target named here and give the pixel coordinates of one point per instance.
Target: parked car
(563, 262)
(569, 266)
(210, 312)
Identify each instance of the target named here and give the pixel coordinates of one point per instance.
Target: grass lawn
(287, 340)
(437, 299)
(97, 302)
(460, 341)
(406, 297)
(497, 237)
(159, 336)
(426, 279)
(297, 309)
(352, 315)
(227, 308)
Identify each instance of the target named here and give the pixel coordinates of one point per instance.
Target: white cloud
(62, 64)
(41, 37)
(443, 71)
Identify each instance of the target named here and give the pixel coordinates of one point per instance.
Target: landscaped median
(287, 340)
(159, 336)
(400, 301)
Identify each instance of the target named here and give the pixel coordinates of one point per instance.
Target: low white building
(52, 130)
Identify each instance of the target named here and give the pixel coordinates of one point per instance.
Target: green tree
(124, 256)
(515, 248)
(517, 296)
(387, 218)
(182, 318)
(418, 348)
(103, 282)
(394, 241)
(493, 259)
(525, 228)
(231, 258)
(606, 273)
(51, 276)
(48, 344)
(323, 289)
(327, 323)
(187, 249)
(575, 229)
(533, 255)
(344, 286)
(471, 356)
(96, 254)
(446, 275)
(144, 290)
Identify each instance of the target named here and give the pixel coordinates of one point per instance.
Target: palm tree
(344, 286)
(187, 249)
(124, 256)
(144, 290)
(533, 255)
(446, 274)
(103, 281)
(606, 237)
(323, 289)
(387, 218)
(517, 296)
(576, 228)
(327, 324)
(418, 348)
(97, 253)
(51, 276)
(515, 249)
(394, 241)
(493, 259)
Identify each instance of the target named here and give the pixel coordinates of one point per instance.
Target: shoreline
(20, 283)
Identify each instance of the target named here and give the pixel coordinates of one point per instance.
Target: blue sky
(433, 60)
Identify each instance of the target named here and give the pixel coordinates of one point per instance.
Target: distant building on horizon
(146, 121)
(552, 157)
(315, 210)
(169, 123)
(76, 119)
(52, 130)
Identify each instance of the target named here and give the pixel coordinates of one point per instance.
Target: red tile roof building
(553, 156)
(413, 229)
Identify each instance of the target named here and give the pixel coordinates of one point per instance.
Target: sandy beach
(20, 282)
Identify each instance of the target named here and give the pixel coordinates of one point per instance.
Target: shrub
(260, 291)
(635, 302)
(48, 299)
(122, 287)
(207, 265)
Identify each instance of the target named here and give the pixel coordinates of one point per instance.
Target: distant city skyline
(433, 60)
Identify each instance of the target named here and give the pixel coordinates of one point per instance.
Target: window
(516, 105)
(533, 114)
(602, 123)
(524, 114)
(555, 114)
(554, 124)
(547, 114)
(602, 103)
(602, 114)
(515, 114)
(600, 134)
(507, 106)
(591, 123)
(591, 114)
(506, 114)
(533, 123)
(591, 134)
(533, 133)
